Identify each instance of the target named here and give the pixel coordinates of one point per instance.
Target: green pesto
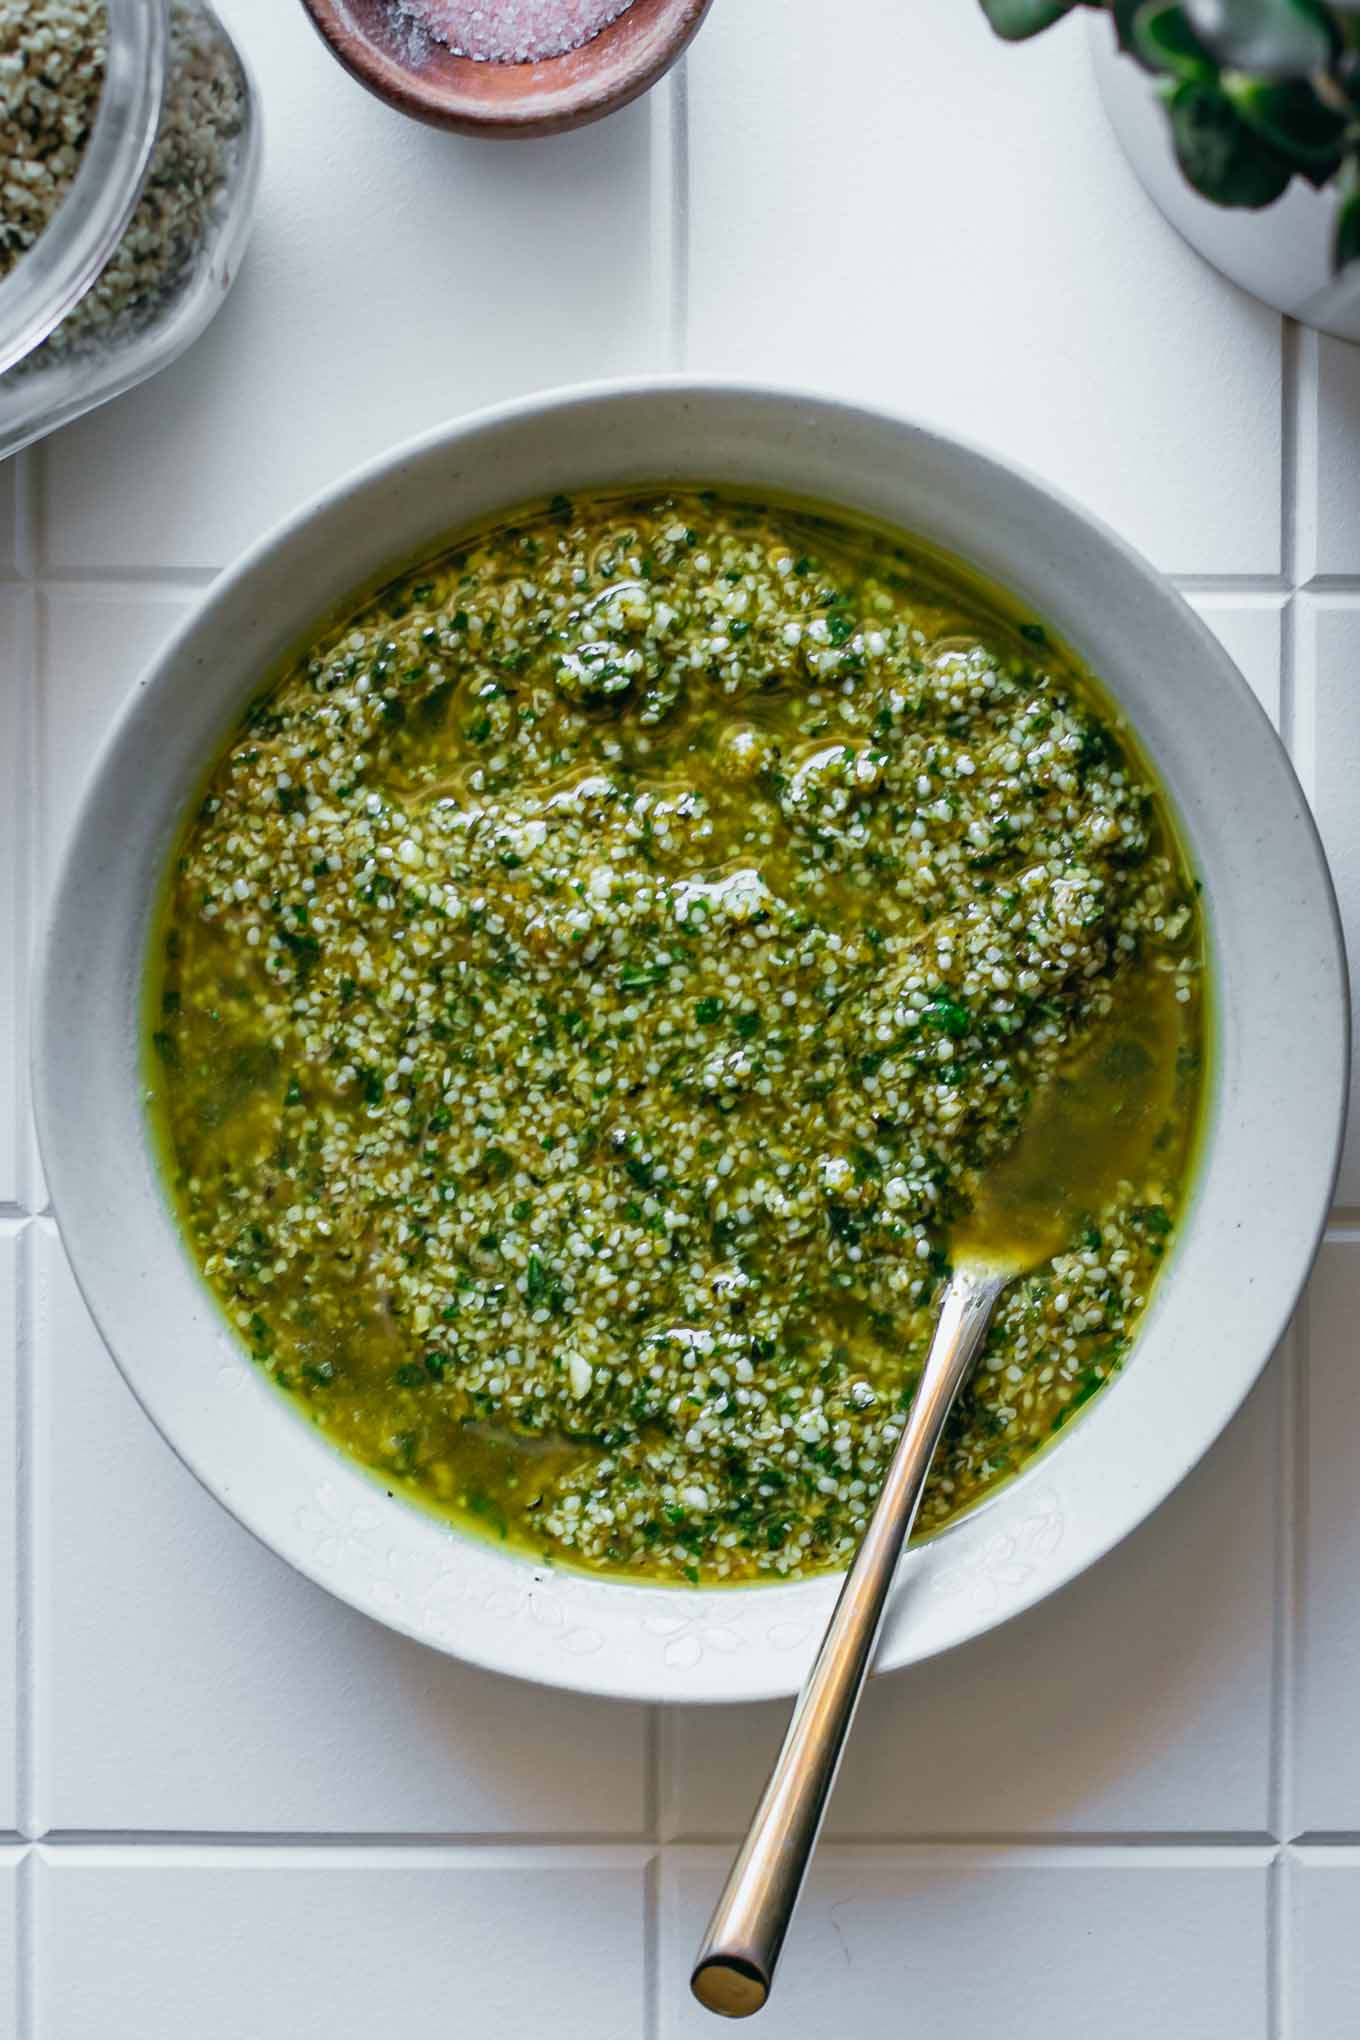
(592, 987)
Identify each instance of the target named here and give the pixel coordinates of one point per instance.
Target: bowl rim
(557, 93)
(63, 1157)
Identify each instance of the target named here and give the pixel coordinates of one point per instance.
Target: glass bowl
(144, 245)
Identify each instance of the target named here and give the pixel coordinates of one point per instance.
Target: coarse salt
(511, 31)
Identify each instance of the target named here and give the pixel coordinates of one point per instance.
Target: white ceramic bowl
(1278, 1075)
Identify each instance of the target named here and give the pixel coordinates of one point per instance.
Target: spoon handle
(735, 1967)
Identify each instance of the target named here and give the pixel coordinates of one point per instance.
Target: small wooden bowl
(507, 100)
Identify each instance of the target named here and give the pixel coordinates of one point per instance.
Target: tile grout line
(1133, 1846)
(659, 1768)
(653, 1728)
(26, 904)
(19, 788)
(1074, 1852)
(1300, 479)
(25, 1710)
(1140, 1843)
(25, 1954)
(1262, 587)
(1294, 1539)
(563, 1859)
(1289, 1574)
(168, 583)
(1289, 705)
(1294, 437)
(679, 215)
(612, 1845)
(1279, 1948)
(651, 1948)
(663, 224)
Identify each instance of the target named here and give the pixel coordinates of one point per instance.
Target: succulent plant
(1257, 92)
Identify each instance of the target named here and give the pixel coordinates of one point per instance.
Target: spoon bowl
(1093, 1125)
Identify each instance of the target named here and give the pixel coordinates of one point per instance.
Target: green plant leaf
(1218, 153)
(1289, 113)
(1165, 40)
(1123, 14)
(1280, 38)
(1346, 74)
(1346, 235)
(1016, 19)
(1319, 175)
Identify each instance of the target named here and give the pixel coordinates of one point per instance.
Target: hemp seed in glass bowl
(168, 215)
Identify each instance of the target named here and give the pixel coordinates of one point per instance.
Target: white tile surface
(396, 276)
(910, 212)
(15, 696)
(1250, 629)
(92, 644)
(974, 1948)
(10, 1249)
(1325, 1756)
(188, 1680)
(1330, 510)
(903, 211)
(1329, 761)
(1324, 1907)
(1164, 1725)
(248, 1946)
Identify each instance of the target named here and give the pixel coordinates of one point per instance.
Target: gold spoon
(1091, 1128)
